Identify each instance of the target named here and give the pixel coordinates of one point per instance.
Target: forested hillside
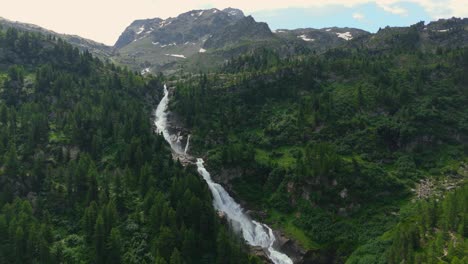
(83, 177)
(433, 231)
(332, 148)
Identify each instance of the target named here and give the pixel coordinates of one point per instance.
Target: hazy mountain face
(94, 47)
(207, 38)
(201, 39)
(156, 44)
(192, 27)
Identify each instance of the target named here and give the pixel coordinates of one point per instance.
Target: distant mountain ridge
(205, 39)
(155, 44)
(443, 33)
(190, 26)
(98, 49)
(322, 39)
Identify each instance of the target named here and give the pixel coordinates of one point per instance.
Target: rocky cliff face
(157, 44)
(191, 27)
(244, 30)
(202, 39)
(136, 29)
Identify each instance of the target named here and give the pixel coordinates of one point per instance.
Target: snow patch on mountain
(177, 56)
(305, 38)
(164, 23)
(140, 30)
(345, 36)
(202, 50)
(167, 45)
(145, 71)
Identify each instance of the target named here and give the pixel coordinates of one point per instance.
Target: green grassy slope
(331, 145)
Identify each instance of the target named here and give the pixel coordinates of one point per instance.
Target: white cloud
(459, 8)
(358, 16)
(394, 9)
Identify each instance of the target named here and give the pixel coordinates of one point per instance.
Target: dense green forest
(359, 155)
(333, 147)
(83, 177)
(433, 231)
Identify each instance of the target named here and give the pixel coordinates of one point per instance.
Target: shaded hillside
(330, 146)
(97, 49)
(83, 176)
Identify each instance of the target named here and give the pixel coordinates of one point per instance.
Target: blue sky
(366, 16)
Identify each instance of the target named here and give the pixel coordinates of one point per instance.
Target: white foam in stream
(255, 233)
(161, 123)
(187, 145)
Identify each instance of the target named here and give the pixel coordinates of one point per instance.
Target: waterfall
(187, 145)
(255, 233)
(161, 123)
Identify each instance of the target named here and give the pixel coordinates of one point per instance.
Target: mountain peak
(245, 29)
(234, 12)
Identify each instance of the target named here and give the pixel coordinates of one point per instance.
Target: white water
(255, 233)
(161, 123)
(187, 145)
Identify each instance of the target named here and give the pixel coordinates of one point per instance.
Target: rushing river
(255, 233)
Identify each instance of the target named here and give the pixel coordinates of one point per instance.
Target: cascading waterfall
(255, 233)
(161, 123)
(187, 145)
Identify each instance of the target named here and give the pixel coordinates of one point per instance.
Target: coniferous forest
(344, 150)
(355, 154)
(83, 177)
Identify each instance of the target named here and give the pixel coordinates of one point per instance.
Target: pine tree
(189, 246)
(159, 260)
(92, 185)
(360, 98)
(222, 248)
(99, 241)
(176, 258)
(166, 242)
(89, 221)
(3, 114)
(11, 162)
(114, 247)
(110, 216)
(20, 245)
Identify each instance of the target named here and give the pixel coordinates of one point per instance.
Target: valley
(330, 145)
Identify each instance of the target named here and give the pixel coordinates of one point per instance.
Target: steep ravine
(258, 235)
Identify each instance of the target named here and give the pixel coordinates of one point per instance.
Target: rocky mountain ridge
(191, 26)
(322, 39)
(206, 39)
(443, 33)
(98, 49)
